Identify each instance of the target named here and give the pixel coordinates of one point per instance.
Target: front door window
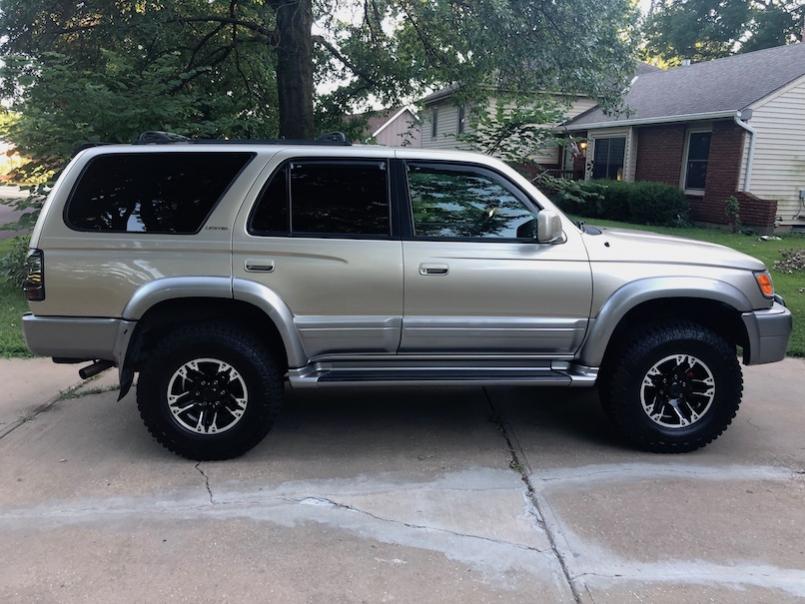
(465, 202)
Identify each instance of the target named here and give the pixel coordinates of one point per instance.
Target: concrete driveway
(460, 495)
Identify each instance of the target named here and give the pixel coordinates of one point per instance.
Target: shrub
(643, 202)
(658, 203)
(732, 210)
(12, 263)
(572, 196)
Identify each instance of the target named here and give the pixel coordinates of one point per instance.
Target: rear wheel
(673, 388)
(209, 392)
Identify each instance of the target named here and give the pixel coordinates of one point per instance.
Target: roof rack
(164, 138)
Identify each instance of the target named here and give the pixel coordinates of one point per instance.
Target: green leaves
(515, 128)
(702, 30)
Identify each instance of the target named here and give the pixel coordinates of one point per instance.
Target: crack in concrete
(330, 502)
(531, 495)
(42, 408)
(206, 482)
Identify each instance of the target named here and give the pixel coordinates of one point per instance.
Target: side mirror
(549, 227)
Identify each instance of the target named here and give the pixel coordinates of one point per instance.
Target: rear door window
(325, 198)
(169, 193)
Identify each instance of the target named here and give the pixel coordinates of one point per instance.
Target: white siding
(403, 131)
(446, 125)
(778, 170)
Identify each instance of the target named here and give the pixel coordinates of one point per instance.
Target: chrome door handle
(433, 269)
(260, 266)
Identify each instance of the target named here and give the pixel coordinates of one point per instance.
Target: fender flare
(634, 293)
(260, 296)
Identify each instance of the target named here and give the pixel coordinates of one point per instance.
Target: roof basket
(161, 138)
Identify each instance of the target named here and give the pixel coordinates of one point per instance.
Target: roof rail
(162, 138)
(156, 137)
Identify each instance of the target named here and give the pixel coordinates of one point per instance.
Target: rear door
(319, 234)
(476, 280)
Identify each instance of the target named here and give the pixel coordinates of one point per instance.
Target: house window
(608, 157)
(434, 123)
(462, 118)
(696, 165)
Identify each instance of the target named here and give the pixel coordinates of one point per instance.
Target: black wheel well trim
(170, 313)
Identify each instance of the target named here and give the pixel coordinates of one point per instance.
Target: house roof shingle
(728, 84)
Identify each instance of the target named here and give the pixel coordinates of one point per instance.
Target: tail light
(34, 284)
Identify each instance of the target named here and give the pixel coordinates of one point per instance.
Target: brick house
(733, 126)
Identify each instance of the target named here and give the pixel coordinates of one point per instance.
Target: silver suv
(219, 271)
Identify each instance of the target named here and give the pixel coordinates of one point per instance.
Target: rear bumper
(768, 332)
(79, 338)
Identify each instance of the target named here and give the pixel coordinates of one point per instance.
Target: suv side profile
(217, 272)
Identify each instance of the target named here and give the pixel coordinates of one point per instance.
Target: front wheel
(674, 387)
(209, 391)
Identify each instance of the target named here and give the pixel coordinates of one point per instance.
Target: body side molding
(644, 290)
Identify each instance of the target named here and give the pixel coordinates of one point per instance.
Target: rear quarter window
(169, 193)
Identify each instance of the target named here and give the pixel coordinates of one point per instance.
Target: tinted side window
(339, 198)
(270, 215)
(151, 192)
(464, 202)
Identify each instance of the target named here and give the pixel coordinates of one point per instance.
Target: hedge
(642, 202)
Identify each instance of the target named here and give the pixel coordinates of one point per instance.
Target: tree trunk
(295, 68)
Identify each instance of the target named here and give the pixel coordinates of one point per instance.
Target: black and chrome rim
(207, 396)
(677, 391)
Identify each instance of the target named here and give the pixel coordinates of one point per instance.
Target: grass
(789, 286)
(12, 306)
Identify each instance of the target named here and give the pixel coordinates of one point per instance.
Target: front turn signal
(764, 283)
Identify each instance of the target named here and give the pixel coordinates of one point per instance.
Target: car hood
(641, 246)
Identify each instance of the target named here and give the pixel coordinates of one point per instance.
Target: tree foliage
(515, 129)
(702, 30)
(105, 70)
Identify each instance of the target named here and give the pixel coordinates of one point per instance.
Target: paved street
(459, 495)
(7, 214)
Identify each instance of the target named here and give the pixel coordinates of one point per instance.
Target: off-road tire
(620, 389)
(246, 353)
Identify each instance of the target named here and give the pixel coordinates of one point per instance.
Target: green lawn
(12, 305)
(791, 287)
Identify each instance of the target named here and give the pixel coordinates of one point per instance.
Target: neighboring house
(444, 119)
(395, 127)
(733, 126)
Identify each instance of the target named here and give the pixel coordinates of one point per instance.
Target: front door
(319, 235)
(476, 280)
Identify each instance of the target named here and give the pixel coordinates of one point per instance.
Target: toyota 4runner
(217, 272)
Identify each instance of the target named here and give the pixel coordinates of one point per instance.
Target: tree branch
(347, 63)
(269, 34)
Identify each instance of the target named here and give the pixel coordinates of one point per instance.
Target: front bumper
(77, 338)
(768, 331)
